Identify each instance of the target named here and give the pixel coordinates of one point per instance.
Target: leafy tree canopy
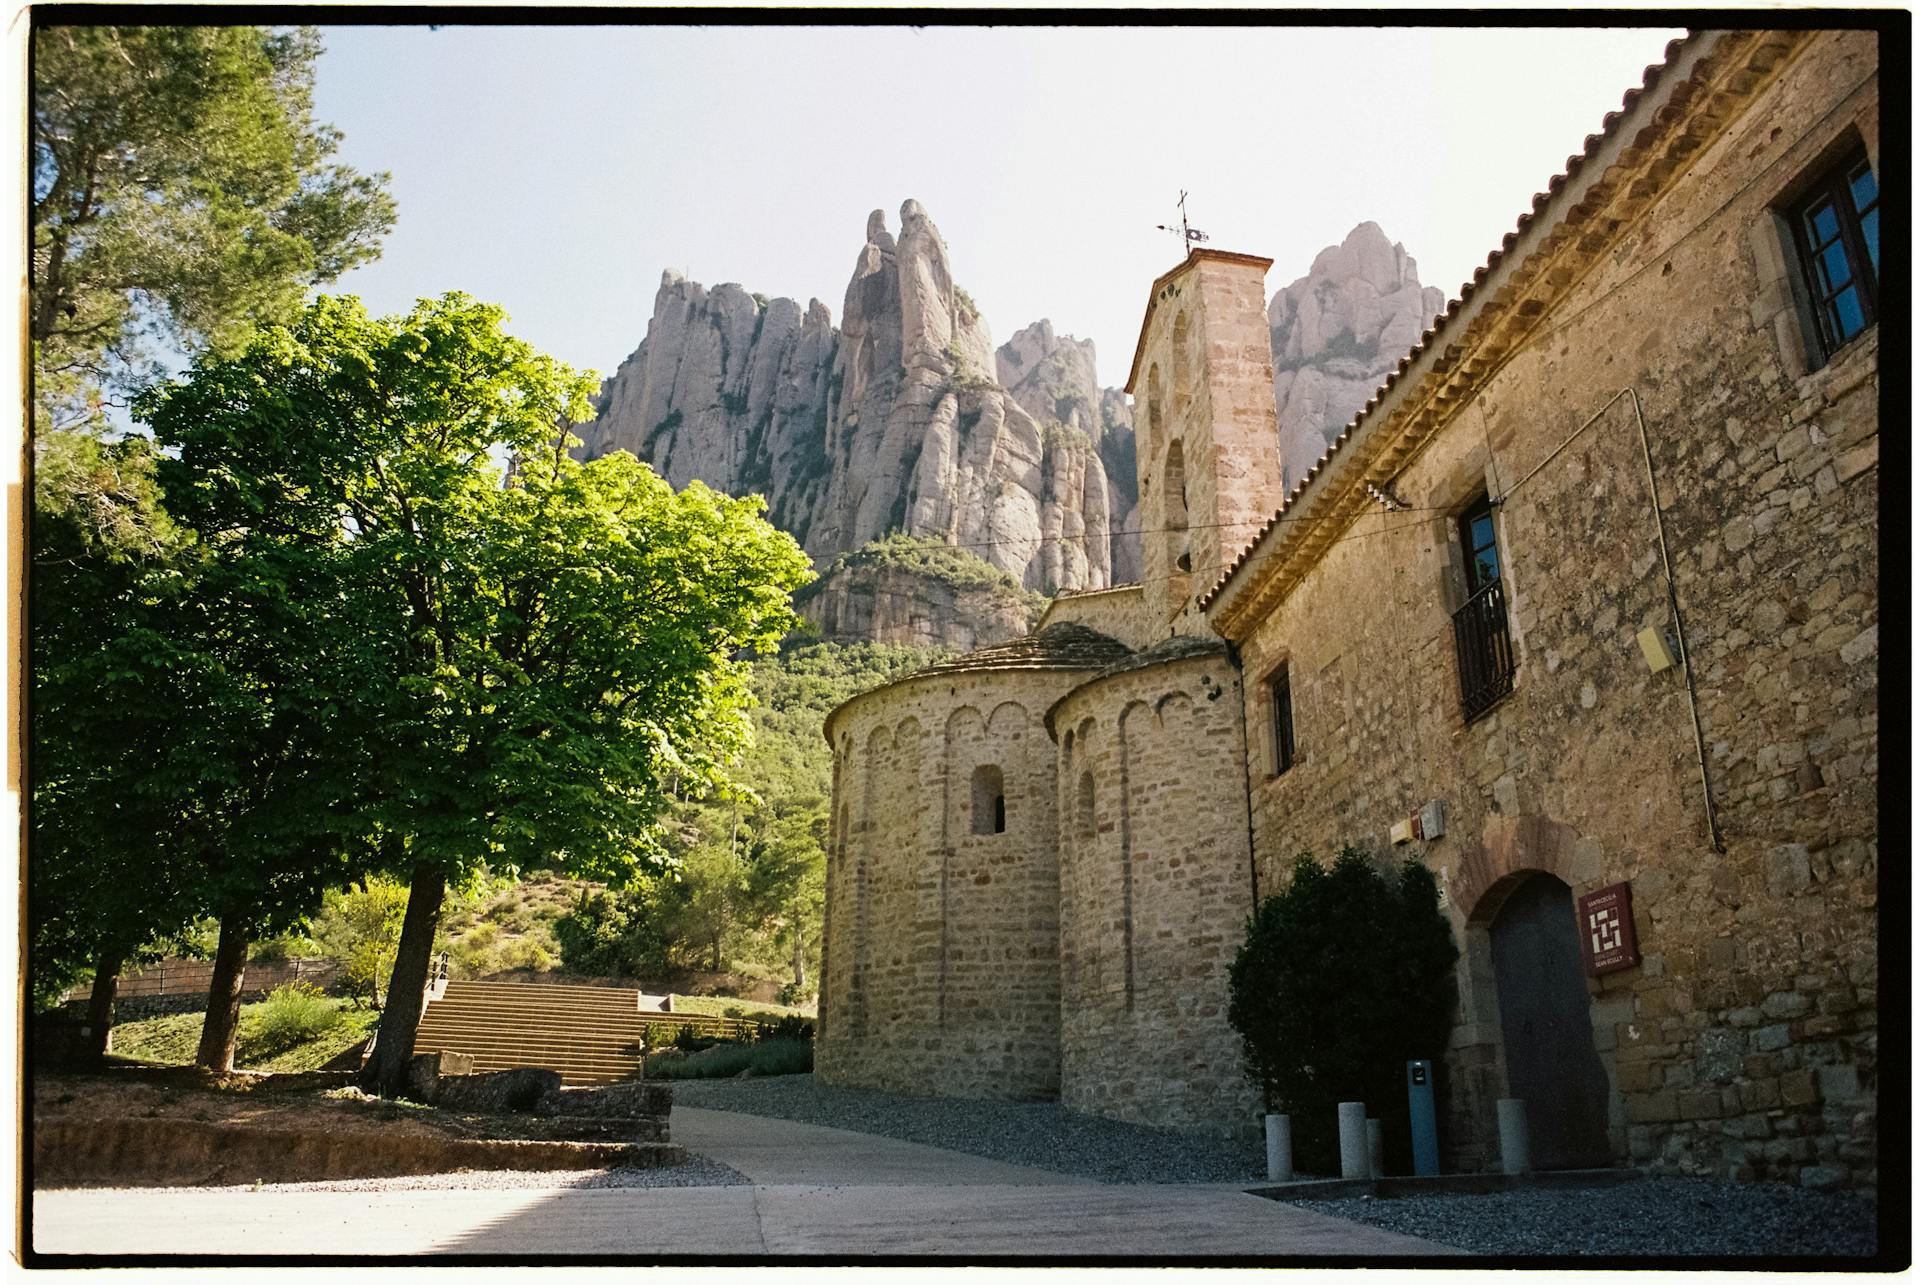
(538, 653)
(181, 192)
(1344, 978)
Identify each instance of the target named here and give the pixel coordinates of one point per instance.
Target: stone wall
(1203, 406)
(1121, 613)
(1744, 1044)
(942, 966)
(1155, 890)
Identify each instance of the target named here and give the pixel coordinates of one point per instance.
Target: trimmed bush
(1344, 978)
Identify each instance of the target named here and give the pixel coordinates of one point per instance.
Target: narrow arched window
(1083, 807)
(989, 800)
(1182, 372)
(1176, 501)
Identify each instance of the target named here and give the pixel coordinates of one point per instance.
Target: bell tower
(1204, 425)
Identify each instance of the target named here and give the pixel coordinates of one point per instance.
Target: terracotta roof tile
(1060, 646)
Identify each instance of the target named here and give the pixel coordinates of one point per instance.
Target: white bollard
(1514, 1144)
(1279, 1148)
(1376, 1151)
(1353, 1140)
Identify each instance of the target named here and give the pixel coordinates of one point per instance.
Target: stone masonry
(1744, 1044)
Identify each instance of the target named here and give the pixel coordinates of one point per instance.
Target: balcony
(1486, 650)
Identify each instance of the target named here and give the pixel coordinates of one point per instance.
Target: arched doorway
(1551, 1062)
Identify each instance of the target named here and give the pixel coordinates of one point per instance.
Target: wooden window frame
(1833, 186)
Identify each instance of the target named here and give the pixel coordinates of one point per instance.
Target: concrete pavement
(816, 1191)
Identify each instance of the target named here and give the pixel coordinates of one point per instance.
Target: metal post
(1279, 1148)
(1514, 1143)
(1426, 1140)
(1353, 1140)
(1376, 1150)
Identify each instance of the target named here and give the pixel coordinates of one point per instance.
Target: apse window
(989, 800)
(1836, 227)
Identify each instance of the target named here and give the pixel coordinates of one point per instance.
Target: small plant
(294, 1013)
(688, 1039)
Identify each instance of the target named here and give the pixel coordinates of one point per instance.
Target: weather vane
(1189, 235)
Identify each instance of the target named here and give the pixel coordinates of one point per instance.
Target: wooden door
(1551, 1063)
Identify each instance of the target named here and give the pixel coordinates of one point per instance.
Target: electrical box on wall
(1657, 647)
(1402, 832)
(1431, 822)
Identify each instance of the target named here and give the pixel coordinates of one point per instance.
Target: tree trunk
(222, 1028)
(106, 985)
(386, 1070)
(799, 957)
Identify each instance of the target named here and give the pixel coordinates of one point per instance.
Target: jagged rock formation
(894, 422)
(1337, 332)
(1053, 377)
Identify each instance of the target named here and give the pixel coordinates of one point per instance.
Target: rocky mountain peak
(896, 421)
(1336, 333)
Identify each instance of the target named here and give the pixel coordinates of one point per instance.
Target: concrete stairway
(590, 1034)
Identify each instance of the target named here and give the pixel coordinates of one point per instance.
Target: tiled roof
(1179, 647)
(1061, 646)
(1444, 320)
(1165, 652)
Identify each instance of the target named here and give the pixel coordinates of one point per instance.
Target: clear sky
(557, 170)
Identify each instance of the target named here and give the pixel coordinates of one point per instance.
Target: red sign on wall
(1607, 943)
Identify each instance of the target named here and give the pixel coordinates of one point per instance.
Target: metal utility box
(1426, 1137)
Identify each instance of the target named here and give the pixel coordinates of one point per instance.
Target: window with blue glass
(1837, 224)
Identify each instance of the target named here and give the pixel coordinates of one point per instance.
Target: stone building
(1581, 611)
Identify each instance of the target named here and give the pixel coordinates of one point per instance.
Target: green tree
(360, 926)
(104, 551)
(1344, 978)
(554, 644)
(181, 192)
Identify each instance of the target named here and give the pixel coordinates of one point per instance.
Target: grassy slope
(173, 1040)
(725, 1006)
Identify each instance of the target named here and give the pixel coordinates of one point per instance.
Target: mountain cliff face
(1337, 332)
(892, 422)
(1053, 377)
(905, 420)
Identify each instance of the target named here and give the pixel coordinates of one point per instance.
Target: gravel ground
(697, 1172)
(1665, 1217)
(1040, 1134)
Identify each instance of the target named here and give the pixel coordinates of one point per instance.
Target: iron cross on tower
(1189, 236)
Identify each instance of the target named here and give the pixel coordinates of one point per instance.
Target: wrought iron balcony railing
(1486, 650)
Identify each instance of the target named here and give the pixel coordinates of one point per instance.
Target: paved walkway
(822, 1192)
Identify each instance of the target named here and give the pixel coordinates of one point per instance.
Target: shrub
(688, 1039)
(723, 1061)
(1344, 977)
(292, 1014)
(790, 1026)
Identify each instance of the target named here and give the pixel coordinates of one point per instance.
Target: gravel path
(1666, 1217)
(1040, 1134)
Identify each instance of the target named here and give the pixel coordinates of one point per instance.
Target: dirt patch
(128, 1127)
